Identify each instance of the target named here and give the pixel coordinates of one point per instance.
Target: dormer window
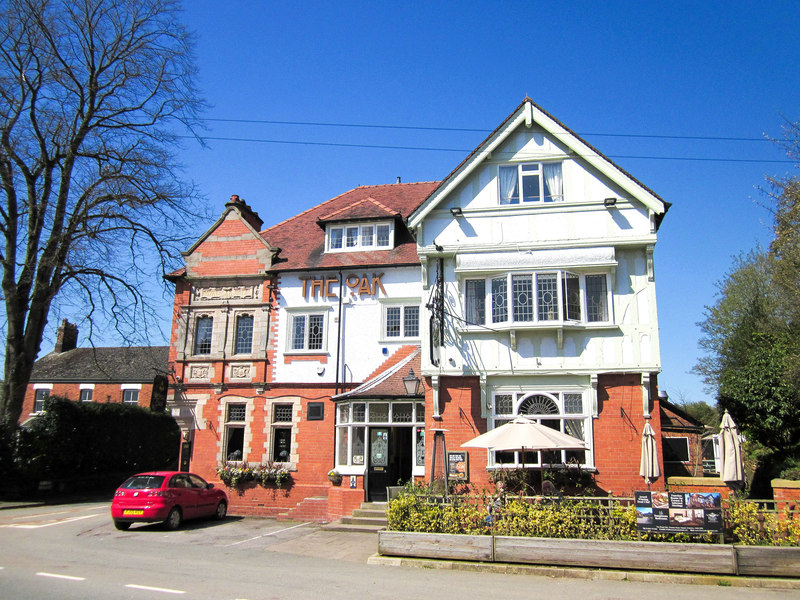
(531, 182)
(360, 237)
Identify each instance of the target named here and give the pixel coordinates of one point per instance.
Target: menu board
(678, 512)
(458, 466)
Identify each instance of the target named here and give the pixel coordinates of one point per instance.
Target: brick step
(370, 513)
(359, 528)
(372, 521)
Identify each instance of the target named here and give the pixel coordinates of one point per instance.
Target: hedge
(76, 439)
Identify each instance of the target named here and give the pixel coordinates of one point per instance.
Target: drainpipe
(339, 333)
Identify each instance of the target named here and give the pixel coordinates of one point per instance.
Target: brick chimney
(248, 214)
(67, 338)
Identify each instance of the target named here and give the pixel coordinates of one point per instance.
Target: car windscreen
(143, 482)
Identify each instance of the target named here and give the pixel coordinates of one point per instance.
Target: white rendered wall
(581, 221)
(364, 347)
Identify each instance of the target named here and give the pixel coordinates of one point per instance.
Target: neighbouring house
(369, 333)
(126, 374)
(682, 441)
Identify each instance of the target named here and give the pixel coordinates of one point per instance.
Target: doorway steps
(371, 517)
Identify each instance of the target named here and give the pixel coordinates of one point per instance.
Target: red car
(168, 496)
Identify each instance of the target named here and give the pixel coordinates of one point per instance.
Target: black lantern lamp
(413, 384)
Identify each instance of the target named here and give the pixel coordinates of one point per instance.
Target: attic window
(359, 237)
(536, 181)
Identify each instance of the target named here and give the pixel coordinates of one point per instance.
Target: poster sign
(678, 512)
(458, 466)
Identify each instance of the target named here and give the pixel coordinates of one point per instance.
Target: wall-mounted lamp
(413, 384)
(609, 202)
(456, 211)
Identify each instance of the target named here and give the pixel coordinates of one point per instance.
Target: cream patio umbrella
(649, 467)
(730, 449)
(525, 435)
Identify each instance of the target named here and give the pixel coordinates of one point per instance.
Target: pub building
(369, 333)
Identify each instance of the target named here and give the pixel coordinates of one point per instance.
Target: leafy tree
(703, 412)
(760, 397)
(93, 96)
(747, 302)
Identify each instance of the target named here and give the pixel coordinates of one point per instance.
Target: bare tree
(94, 95)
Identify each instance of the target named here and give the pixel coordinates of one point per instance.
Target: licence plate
(133, 513)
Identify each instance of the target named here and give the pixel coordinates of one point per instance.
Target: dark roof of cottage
(301, 239)
(131, 364)
(674, 418)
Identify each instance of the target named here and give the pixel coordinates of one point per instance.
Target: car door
(184, 495)
(206, 497)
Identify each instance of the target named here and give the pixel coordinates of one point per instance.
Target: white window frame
(558, 396)
(86, 386)
(131, 387)
(402, 304)
(36, 388)
(688, 450)
(417, 425)
(537, 318)
(291, 315)
(529, 168)
(359, 243)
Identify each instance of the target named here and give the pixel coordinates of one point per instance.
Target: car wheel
(173, 519)
(222, 510)
(122, 525)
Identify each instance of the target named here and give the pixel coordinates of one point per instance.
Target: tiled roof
(368, 208)
(387, 380)
(302, 241)
(134, 364)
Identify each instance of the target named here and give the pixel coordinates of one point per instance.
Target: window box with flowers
(335, 477)
(269, 475)
(236, 474)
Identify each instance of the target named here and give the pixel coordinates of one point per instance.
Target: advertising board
(678, 512)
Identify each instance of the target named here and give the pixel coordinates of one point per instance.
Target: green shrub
(575, 518)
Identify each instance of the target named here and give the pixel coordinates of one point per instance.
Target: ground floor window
(676, 449)
(353, 419)
(235, 416)
(564, 411)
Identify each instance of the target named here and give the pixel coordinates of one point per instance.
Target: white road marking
(59, 522)
(267, 534)
(57, 576)
(147, 588)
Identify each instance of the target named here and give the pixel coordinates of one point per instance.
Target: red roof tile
(302, 241)
(387, 380)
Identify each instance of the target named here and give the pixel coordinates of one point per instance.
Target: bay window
(541, 297)
(564, 411)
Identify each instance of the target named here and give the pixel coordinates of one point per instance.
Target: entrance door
(390, 460)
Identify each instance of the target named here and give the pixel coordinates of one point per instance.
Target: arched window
(538, 405)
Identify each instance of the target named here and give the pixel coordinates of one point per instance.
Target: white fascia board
(536, 259)
(480, 154)
(600, 163)
(528, 115)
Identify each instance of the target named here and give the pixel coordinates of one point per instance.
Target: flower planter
(651, 556)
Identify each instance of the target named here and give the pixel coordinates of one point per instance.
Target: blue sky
(684, 69)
